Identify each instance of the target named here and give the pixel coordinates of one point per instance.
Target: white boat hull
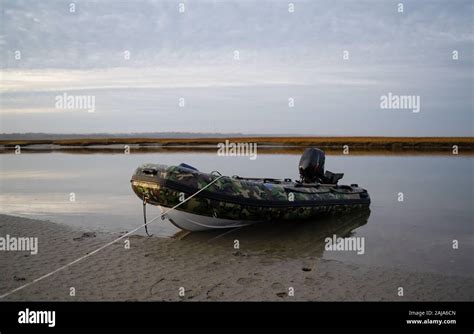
(192, 222)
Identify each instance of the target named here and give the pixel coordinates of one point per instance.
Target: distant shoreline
(428, 144)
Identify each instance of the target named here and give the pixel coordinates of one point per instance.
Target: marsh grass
(360, 143)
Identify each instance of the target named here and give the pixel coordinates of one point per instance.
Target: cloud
(52, 80)
(281, 54)
(156, 34)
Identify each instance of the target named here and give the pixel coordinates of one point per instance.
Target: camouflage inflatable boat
(236, 201)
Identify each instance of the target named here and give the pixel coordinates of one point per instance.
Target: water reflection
(286, 239)
(262, 149)
(417, 233)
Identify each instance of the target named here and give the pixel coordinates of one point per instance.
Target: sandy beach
(207, 267)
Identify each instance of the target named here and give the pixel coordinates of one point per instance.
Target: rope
(144, 216)
(106, 245)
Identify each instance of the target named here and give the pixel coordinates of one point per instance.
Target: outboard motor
(311, 168)
(311, 165)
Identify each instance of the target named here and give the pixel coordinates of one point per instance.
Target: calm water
(416, 234)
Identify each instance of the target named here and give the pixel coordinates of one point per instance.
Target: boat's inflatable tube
(243, 199)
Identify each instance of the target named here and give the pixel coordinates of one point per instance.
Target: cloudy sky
(140, 59)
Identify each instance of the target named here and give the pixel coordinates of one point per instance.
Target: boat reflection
(286, 239)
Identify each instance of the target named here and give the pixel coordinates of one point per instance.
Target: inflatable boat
(212, 201)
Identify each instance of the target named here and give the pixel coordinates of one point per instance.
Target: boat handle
(149, 171)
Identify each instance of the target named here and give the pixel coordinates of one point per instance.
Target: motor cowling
(311, 165)
(311, 168)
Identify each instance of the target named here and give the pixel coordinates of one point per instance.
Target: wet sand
(208, 267)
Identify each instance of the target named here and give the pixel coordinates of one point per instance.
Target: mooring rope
(108, 244)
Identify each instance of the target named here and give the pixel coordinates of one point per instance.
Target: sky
(234, 66)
